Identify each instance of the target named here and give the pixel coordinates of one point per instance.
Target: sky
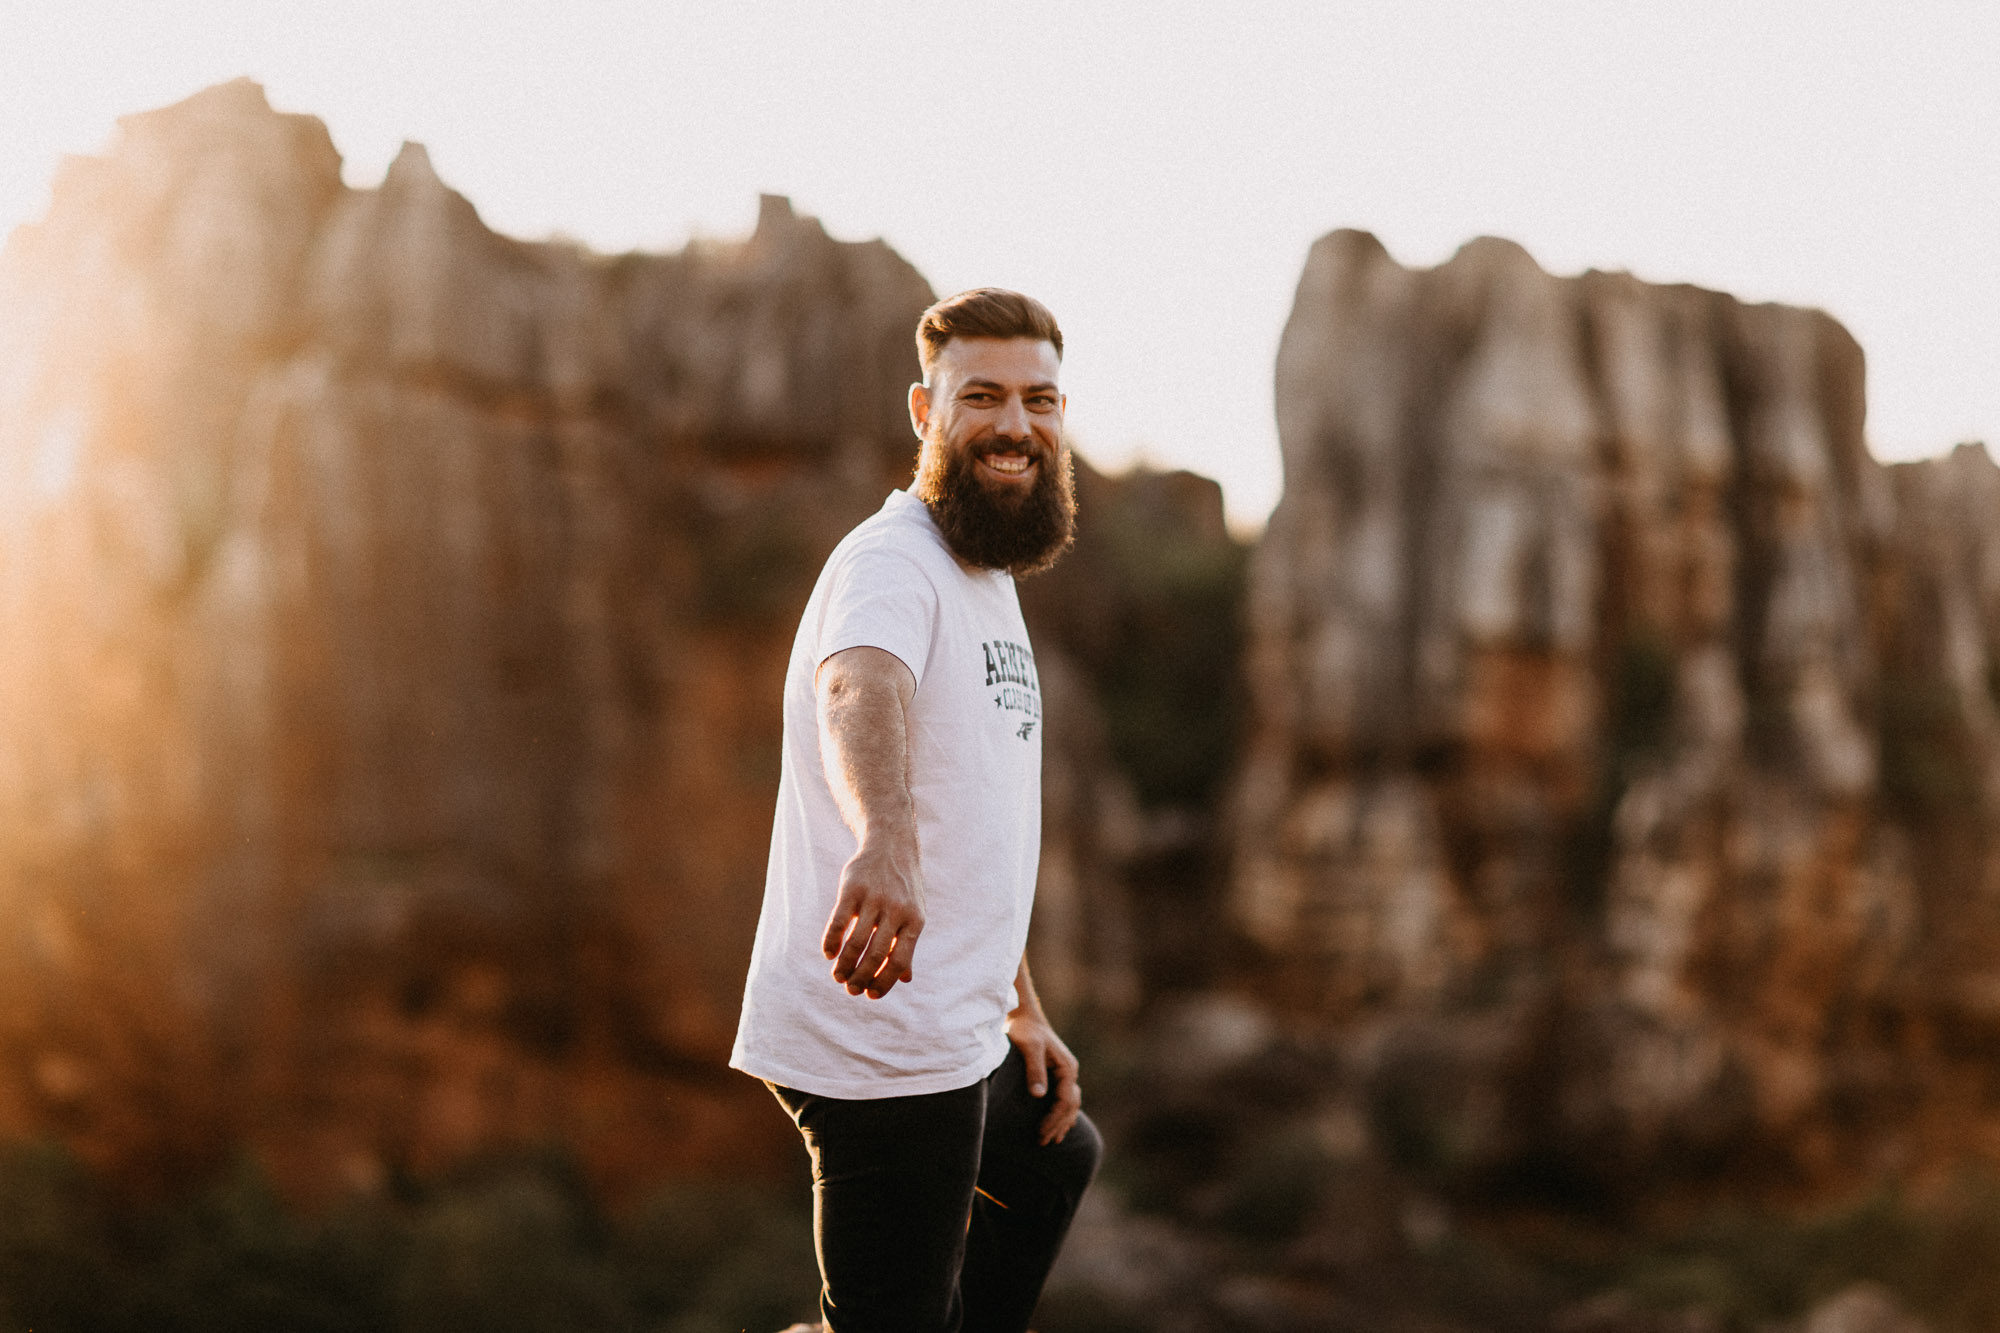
(1156, 172)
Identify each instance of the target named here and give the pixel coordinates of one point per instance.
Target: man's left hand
(1043, 1052)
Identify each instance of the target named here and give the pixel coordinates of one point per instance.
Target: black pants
(895, 1181)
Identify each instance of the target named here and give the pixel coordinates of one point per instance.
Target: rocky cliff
(393, 617)
(1621, 783)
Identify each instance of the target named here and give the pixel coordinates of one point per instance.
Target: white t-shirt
(975, 775)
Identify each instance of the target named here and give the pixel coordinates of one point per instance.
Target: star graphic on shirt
(997, 703)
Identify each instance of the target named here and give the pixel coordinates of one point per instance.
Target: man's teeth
(1008, 462)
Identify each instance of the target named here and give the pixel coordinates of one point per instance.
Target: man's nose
(1013, 423)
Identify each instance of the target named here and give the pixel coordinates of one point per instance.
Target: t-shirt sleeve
(880, 599)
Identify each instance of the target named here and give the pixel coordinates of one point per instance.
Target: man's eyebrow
(1043, 386)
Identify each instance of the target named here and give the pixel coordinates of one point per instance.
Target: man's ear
(920, 409)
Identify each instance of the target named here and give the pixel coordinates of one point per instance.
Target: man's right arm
(864, 699)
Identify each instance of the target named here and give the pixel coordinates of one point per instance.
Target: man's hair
(983, 312)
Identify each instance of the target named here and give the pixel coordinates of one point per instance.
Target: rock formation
(1623, 757)
(394, 619)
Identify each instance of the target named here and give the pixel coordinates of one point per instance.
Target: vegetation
(1930, 765)
(1149, 604)
(1748, 1268)
(1170, 689)
(520, 1243)
(1638, 729)
(504, 1245)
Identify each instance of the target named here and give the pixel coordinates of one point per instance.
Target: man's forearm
(865, 749)
(864, 697)
(1026, 1002)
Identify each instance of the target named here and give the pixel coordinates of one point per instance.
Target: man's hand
(864, 699)
(1043, 1052)
(872, 935)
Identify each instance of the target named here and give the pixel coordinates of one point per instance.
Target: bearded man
(942, 1113)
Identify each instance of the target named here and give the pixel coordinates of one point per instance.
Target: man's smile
(1009, 465)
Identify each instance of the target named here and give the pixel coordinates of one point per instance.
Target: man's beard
(990, 529)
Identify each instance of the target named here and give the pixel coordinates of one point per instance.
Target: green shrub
(703, 1257)
(513, 1243)
(1638, 729)
(1929, 766)
(1753, 1268)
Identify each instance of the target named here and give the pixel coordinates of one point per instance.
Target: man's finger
(836, 926)
(1035, 1058)
(896, 968)
(882, 982)
(872, 959)
(1057, 1123)
(902, 959)
(850, 953)
(836, 930)
(1069, 1097)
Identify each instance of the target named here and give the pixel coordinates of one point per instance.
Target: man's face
(994, 469)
